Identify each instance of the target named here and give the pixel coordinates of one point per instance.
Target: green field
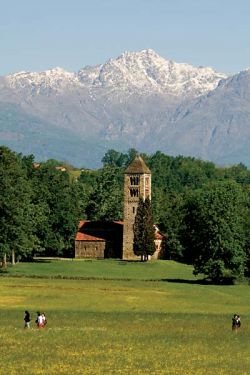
(121, 318)
(105, 269)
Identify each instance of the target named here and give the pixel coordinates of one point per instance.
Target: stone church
(99, 239)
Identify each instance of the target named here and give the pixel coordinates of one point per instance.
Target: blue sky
(37, 35)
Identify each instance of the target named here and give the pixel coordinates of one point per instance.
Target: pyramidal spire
(138, 165)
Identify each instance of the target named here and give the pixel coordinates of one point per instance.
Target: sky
(37, 35)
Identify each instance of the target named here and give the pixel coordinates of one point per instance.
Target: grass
(104, 269)
(135, 322)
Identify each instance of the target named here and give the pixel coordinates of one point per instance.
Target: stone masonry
(137, 183)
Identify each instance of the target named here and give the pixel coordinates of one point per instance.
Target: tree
(57, 196)
(17, 227)
(105, 201)
(169, 214)
(118, 159)
(214, 232)
(149, 229)
(114, 158)
(144, 230)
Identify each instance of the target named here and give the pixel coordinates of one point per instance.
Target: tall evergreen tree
(149, 228)
(144, 230)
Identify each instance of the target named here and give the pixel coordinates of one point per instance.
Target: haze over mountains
(138, 100)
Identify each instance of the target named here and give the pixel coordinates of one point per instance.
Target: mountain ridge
(139, 69)
(138, 100)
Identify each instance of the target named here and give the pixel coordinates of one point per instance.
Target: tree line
(39, 208)
(203, 209)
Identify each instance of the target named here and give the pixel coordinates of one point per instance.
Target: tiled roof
(158, 236)
(87, 232)
(87, 237)
(97, 230)
(81, 223)
(138, 166)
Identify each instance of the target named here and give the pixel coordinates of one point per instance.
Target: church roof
(102, 230)
(87, 237)
(98, 230)
(138, 165)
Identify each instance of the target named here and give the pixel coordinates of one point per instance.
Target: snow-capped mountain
(144, 70)
(137, 100)
(44, 82)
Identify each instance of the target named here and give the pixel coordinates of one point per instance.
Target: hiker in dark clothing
(26, 319)
(236, 323)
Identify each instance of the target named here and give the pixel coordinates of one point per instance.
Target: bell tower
(137, 183)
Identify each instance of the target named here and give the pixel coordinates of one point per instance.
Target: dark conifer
(144, 230)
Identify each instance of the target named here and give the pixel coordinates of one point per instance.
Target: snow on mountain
(145, 71)
(138, 100)
(148, 71)
(38, 83)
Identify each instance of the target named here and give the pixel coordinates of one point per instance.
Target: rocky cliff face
(138, 100)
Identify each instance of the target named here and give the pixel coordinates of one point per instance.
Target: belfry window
(134, 192)
(134, 180)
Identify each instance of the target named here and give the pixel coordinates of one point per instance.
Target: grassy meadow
(113, 317)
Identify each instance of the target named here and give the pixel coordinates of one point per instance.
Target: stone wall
(90, 249)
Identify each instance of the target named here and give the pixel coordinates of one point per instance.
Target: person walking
(39, 320)
(44, 319)
(26, 319)
(236, 322)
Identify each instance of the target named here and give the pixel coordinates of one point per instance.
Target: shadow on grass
(127, 261)
(39, 260)
(222, 281)
(184, 281)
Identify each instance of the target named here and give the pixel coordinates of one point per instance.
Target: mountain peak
(147, 71)
(145, 53)
(143, 71)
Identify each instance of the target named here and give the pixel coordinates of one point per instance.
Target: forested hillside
(202, 209)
